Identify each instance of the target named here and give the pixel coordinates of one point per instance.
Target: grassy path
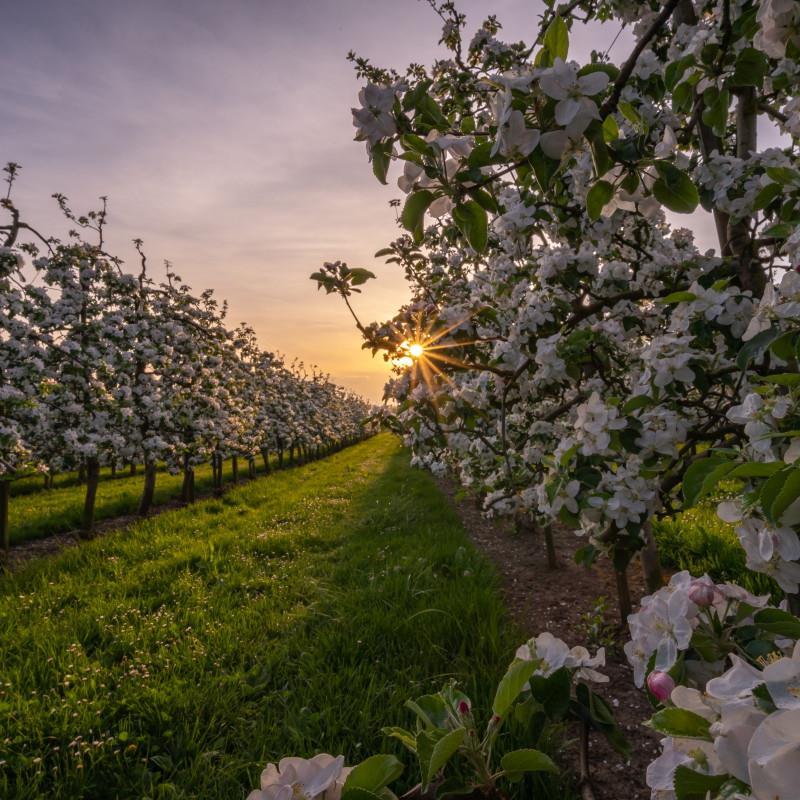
(293, 615)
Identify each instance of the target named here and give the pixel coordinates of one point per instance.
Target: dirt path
(539, 599)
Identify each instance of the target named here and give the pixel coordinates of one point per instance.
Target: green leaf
(777, 622)
(472, 220)
(610, 129)
(373, 774)
(544, 167)
(678, 297)
(636, 402)
(416, 144)
(751, 67)
(597, 197)
(674, 188)
(527, 760)
(674, 71)
(784, 345)
(691, 785)
(680, 722)
(381, 158)
(789, 492)
(756, 347)
(406, 738)
(510, 686)
(413, 214)
(715, 115)
(553, 692)
(630, 113)
(784, 379)
(784, 175)
(756, 469)
(359, 276)
(770, 490)
(430, 709)
(481, 155)
(701, 477)
(357, 793)
(484, 199)
(435, 751)
(556, 38)
(767, 195)
(780, 230)
(601, 156)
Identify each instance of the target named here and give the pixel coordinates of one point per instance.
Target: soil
(540, 598)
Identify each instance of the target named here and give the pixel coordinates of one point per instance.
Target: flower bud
(463, 708)
(701, 593)
(660, 685)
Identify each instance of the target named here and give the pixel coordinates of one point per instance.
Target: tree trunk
(5, 532)
(235, 468)
(280, 458)
(146, 503)
(220, 463)
(585, 783)
(550, 546)
(291, 455)
(623, 594)
(251, 468)
(651, 563)
(132, 469)
(187, 490)
(114, 470)
(81, 474)
(265, 456)
(92, 479)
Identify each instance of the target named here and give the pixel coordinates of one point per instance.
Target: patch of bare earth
(540, 598)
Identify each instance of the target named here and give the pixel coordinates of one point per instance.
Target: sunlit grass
(698, 540)
(293, 615)
(35, 512)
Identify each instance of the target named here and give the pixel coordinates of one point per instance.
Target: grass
(35, 512)
(698, 540)
(293, 615)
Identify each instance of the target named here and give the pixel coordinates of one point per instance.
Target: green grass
(293, 615)
(35, 512)
(698, 540)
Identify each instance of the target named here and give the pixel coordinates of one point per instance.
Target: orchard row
(99, 366)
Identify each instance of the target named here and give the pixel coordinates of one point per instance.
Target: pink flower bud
(701, 593)
(660, 685)
(463, 708)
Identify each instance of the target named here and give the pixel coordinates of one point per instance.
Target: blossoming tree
(572, 356)
(100, 367)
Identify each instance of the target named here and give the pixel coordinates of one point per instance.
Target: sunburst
(424, 351)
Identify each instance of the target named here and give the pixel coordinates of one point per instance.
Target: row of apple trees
(580, 360)
(101, 366)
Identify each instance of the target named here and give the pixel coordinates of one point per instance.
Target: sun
(416, 350)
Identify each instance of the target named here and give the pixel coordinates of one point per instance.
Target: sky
(221, 132)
